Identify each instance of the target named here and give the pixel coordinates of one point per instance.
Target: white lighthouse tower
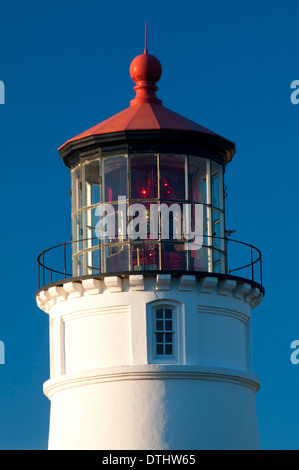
(150, 342)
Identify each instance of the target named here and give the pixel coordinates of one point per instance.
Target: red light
(143, 191)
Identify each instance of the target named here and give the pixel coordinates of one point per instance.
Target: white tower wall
(107, 389)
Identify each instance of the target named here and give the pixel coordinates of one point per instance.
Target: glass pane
(116, 258)
(168, 337)
(171, 221)
(151, 256)
(160, 337)
(140, 220)
(159, 313)
(137, 251)
(217, 185)
(173, 256)
(216, 215)
(145, 256)
(77, 266)
(160, 349)
(217, 268)
(159, 325)
(199, 259)
(76, 189)
(144, 180)
(168, 313)
(218, 259)
(172, 177)
(216, 255)
(168, 325)
(218, 229)
(168, 349)
(216, 234)
(115, 178)
(76, 230)
(91, 219)
(197, 179)
(96, 260)
(92, 190)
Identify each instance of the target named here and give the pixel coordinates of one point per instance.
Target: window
(164, 332)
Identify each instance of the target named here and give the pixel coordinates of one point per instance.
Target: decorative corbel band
(136, 282)
(186, 282)
(237, 289)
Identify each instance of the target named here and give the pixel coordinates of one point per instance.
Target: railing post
(38, 273)
(43, 269)
(252, 270)
(64, 255)
(225, 255)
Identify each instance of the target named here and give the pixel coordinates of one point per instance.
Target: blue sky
(226, 65)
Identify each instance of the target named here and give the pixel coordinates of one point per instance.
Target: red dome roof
(144, 116)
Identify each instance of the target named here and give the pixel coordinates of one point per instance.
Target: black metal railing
(236, 258)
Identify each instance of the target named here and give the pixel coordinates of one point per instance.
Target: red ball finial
(145, 67)
(145, 71)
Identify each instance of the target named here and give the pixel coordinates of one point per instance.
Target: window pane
(168, 349)
(218, 230)
(172, 177)
(115, 178)
(199, 259)
(168, 325)
(217, 268)
(168, 313)
(151, 256)
(160, 338)
(197, 179)
(216, 234)
(91, 220)
(77, 265)
(76, 230)
(159, 325)
(168, 337)
(76, 189)
(116, 258)
(174, 256)
(217, 185)
(92, 193)
(159, 313)
(145, 256)
(144, 180)
(171, 221)
(160, 349)
(96, 260)
(140, 221)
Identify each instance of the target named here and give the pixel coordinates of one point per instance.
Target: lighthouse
(150, 322)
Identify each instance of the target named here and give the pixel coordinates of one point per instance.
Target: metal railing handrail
(252, 263)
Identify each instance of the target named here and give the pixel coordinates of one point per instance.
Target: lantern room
(169, 182)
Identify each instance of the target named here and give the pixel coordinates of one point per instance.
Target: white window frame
(178, 333)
